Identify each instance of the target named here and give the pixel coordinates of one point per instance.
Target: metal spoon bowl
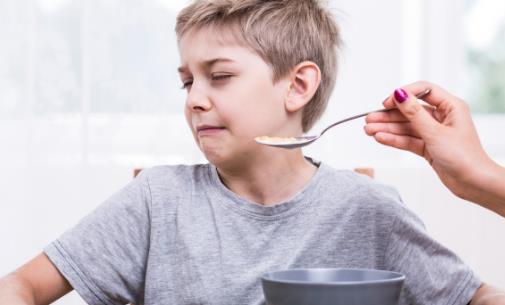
(295, 142)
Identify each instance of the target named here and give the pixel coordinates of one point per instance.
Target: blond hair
(283, 32)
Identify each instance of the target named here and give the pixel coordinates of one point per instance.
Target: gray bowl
(332, 287)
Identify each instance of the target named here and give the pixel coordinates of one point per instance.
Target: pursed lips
(208, 130)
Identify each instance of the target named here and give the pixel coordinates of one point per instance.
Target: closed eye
(187, 84)
(221, 76)
(215, 77)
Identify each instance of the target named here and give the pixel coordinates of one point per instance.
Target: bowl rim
(399, 277)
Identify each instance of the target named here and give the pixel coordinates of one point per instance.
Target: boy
(204, 234)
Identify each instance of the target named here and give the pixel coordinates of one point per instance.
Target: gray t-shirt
(176, 235)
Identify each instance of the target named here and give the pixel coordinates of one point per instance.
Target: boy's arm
(488, 295)
(37, 282)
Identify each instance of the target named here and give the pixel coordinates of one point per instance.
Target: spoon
(295, 142)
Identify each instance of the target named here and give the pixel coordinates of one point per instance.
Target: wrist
(486, 186)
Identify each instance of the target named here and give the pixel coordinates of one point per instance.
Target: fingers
(392, 128)
(403, 142)
(392, 116)
(437, 96)
(422, 121)
(385, 117)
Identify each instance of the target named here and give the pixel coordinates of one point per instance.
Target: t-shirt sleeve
(433, 274)
(104, 256)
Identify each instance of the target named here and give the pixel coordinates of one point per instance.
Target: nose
(197, 100)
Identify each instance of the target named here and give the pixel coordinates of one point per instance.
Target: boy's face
(231, 97)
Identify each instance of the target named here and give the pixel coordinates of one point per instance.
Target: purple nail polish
(400, 95)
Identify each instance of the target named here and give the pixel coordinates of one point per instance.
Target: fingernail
(400, 95)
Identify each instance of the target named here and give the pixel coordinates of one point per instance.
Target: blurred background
(89, 91)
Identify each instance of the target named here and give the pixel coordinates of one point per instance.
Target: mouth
(208, 130)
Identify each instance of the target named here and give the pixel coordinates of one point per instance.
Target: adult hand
(443, 133)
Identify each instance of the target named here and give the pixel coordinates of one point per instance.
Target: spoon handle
(419, 96)
(353, 118)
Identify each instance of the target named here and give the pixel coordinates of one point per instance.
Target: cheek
(267, 107)
(250, 122)
(263, 99)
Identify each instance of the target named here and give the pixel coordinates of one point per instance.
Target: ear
(305, 79)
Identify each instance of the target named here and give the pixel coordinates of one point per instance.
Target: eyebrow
(207, 63)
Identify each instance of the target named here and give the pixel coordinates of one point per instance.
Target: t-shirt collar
(302, 198)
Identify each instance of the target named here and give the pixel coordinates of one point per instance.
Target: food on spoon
(276, 140)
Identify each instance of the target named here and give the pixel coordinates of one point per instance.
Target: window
(91, 81)
(485, 43)
(461, 47)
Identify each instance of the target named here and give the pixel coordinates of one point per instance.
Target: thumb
(420, 119)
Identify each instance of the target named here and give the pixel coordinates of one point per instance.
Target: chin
(225, 158)
(213, 153)
(227, 154)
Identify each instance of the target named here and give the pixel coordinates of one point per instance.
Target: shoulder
(360, 192)
(353, 185)
(173, 182)
(366, 201)
(174, 174)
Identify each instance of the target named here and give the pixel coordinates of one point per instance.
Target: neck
(274, 177)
